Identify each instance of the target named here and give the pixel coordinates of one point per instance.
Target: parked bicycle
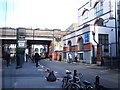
(66, 78)
(74, 82)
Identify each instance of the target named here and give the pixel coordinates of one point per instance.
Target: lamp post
(116, 34)
(98, 49)
(54, 33)
(53, 40)
(116, 27)
(33, 37)
(53, 45)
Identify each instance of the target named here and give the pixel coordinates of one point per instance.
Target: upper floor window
(99, 22)
(98, 8)
(69, 46)
(85, 14)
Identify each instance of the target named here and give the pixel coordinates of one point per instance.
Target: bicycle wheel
(73, 86)
(64, 82)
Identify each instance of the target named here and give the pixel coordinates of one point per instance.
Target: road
(109, 78)
(31, 77)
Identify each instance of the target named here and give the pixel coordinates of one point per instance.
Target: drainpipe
(98, 49)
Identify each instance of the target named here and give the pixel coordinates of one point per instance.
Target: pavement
(30, 76)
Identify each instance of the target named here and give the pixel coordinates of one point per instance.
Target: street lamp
(34, 37)
(53, 40)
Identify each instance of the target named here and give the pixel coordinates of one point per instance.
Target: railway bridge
(33, 38)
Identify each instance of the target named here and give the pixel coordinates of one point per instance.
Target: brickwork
(88, 46)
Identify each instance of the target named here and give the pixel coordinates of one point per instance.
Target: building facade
(56, 46)
(98, 33)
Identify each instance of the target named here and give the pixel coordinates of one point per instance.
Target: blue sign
(86, 37)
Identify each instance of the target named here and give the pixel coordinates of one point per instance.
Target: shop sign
(86, 37)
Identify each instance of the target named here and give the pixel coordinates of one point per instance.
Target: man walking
(36, 57)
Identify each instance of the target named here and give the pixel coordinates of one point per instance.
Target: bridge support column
(20, 47)
(0, 49)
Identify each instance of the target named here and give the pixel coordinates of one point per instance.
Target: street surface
(30, 76)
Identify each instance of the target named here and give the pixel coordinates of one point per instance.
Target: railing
(108, 58)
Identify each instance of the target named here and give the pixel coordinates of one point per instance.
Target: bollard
(97, 82)
(75, 74)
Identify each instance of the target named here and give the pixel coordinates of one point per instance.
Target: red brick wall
(75, 48)
(88, 46)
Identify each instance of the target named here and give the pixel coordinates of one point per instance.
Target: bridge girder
(29, 42)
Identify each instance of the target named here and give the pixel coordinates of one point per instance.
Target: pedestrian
(26, 55)
(50, 57)
(76, 58)
(7, 57)
(70, 58)
(60, 57)
(36, 58)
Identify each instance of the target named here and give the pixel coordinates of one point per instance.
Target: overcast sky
(52, 14)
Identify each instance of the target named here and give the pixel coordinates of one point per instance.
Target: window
(80, 45)
(99, 9)
(85, 16)
(103, 40)
(80, 56)
(119, 20)
(69, 46)
(36, 49)
(99, 22)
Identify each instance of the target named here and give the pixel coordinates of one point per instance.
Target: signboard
(21, 44)
(86, 37)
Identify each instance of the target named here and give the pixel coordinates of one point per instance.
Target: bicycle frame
(66, 78)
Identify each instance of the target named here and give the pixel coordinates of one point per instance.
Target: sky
(51, 14)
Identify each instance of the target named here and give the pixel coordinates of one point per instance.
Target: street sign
(21, 44)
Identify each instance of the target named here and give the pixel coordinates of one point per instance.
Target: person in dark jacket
(7, 57)
(60, 57)
(76, 58)
(36, 57)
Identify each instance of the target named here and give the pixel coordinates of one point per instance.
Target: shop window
(80, 56)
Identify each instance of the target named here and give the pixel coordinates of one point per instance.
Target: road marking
(103, 70)
(15, 84)
(40, 69)
(55, 72)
